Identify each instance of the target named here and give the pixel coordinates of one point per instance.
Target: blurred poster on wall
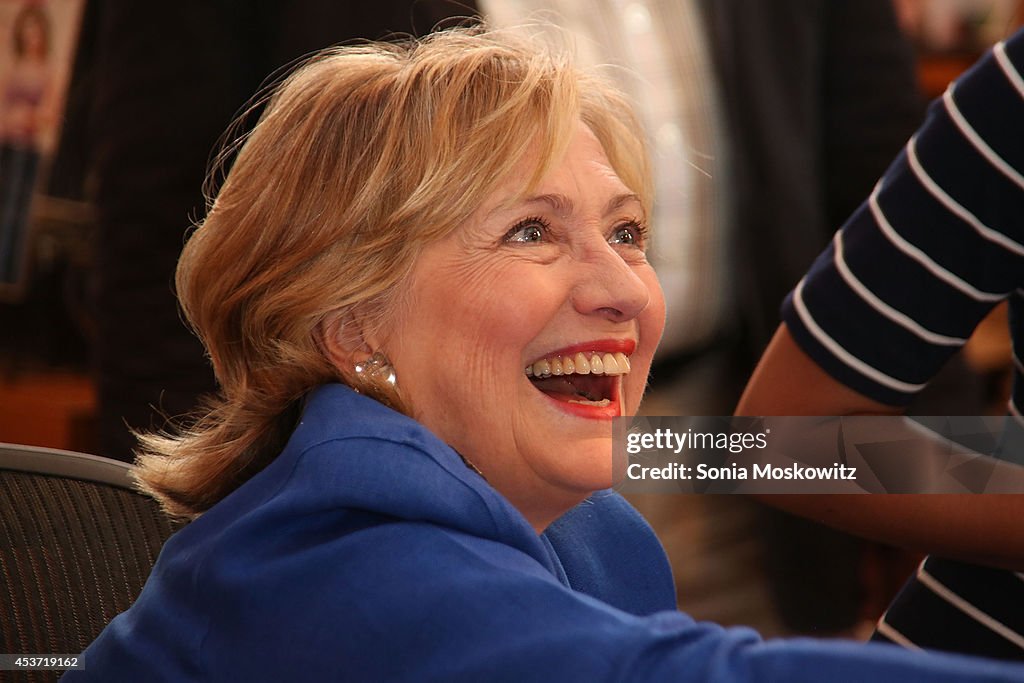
(37, 45)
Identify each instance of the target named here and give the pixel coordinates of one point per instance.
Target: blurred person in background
(156, 86)
(26, 109)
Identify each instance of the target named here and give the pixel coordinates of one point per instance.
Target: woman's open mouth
(585, 383)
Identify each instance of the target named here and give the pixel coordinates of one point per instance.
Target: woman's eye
(631, 233)
(529, 231)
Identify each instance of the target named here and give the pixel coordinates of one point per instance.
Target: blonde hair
(362, 155)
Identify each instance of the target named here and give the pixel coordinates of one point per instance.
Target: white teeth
(582, 364)
(598, 364)
(622, 360)
(601, 404)
(611, 366)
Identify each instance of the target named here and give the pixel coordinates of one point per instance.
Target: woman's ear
(358, 362)
(343, 341)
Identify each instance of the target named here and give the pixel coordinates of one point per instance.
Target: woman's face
(539, 285)
(33, 37)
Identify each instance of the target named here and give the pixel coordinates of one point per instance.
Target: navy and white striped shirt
(937, 245)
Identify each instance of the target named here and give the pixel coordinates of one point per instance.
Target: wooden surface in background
(935, 72)
(55, 409)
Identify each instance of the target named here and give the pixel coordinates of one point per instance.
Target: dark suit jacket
(156, 85)
(819, 96)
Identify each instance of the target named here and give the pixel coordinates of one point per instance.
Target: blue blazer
(368, 551)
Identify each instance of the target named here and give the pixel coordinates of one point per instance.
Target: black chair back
(76, 545)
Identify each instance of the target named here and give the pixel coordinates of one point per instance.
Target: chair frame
(80, 616)
(61, 463)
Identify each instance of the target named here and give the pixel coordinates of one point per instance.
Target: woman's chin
(589, 465)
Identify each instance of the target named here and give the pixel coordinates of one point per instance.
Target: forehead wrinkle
(564, 205)
(559, 203)
(618, 201)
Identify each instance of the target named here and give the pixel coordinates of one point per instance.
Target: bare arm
(986, 529)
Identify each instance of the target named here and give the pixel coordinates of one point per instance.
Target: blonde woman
(424, 291)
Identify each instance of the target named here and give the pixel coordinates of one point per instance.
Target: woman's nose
(609, 287)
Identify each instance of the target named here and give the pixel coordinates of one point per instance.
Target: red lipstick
(626, 346)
